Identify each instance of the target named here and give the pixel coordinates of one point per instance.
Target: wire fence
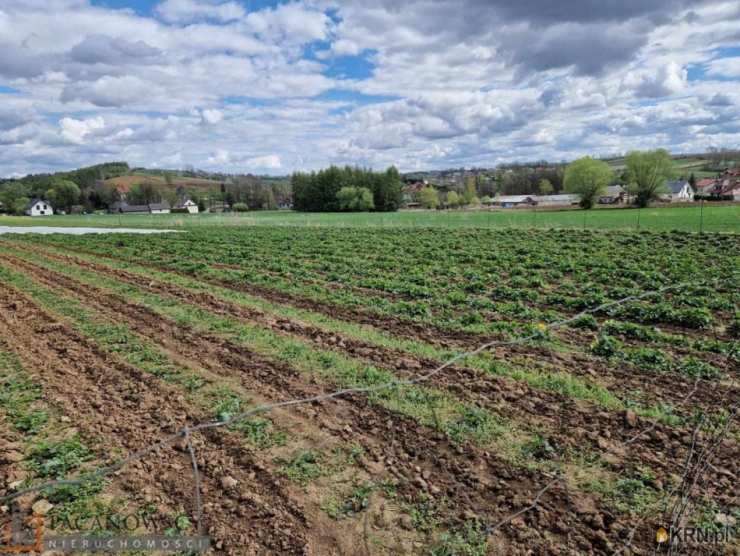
(186, 432)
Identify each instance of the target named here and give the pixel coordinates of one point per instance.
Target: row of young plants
(657, 356)
(553, 380)
(461, 279)
(460, 423)
(303, 466)
(221, 397)
(458, 420)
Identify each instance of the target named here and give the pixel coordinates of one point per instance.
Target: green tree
(144, 193)
(545, 187)
(388, 190)
(648, 172)
(318, 191)
(355, 199)
(15, 196)
(588, 178)
(452, 199)
(470, 195)
(429, 198)
(63, 194)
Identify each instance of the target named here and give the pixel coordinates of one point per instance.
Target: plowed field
(584, 439)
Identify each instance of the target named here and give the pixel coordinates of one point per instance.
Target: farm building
(703, 186)
(614, 195)
(39, 207)
(160, 208)
(188, 205)
(561, 200)
(511, 201)
(678, 191)
(727, 186)
(122, 207)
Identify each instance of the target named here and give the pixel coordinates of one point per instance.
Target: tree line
(645, 175)
(337, 189)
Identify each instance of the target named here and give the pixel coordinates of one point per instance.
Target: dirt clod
(630, 418)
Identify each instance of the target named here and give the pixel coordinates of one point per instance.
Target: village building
(512, 201)
(188, 205)
(39, 207)
(122, 207)
(725, 186)
(160, 208)
(678, 191)
(559, 200)
(614, 195)
(703, 185)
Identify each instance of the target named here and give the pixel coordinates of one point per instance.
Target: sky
(269, 87)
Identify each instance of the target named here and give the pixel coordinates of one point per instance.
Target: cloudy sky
(268, 87)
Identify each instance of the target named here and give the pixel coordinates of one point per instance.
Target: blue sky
(271, 87)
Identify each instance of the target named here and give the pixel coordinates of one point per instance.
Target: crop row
(461, 280)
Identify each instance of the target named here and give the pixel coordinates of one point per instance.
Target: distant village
(467, 184)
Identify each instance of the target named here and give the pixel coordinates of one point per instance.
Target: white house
(39, 207)
(189, 205)
(679, 191)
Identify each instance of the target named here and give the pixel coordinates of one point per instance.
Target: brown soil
(100, 390)
(480, 483)
(126, 409)
(625, 380)
(567, 424)
(397, 326)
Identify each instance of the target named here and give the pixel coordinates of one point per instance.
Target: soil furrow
(583, 424)
(623, 379)
(461, 482)
(111, 399)
(400, 327)
(477, 480)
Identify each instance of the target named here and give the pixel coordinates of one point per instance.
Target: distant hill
(701, 165)
(125, 182)
(83, 177)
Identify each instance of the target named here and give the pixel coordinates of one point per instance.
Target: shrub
(585, 321)
(606, 346)
(240, 207)
(355, 199)
(695, 368)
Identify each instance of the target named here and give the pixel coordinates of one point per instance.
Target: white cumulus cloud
(77, 131)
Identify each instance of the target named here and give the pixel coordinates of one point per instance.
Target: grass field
(109, 343)
(723, 218)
